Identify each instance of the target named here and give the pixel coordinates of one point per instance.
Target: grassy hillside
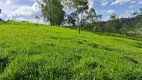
(28, 52)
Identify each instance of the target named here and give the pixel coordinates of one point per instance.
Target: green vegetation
(0, 11)
(41, 52)
(52, 11)
(126, 26)
(29, 52)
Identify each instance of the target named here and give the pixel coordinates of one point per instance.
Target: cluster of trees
(52, 12)
(119, 25)
(137, 13)
(84, 18)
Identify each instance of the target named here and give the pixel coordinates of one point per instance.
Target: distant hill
(135, 26)
(131, 26)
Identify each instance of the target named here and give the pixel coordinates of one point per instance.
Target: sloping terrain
(29, 52)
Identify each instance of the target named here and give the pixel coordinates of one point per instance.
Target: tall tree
(71, 19)
(134, 14)
(81, 10)
(98, 18)
(91, 15)
(112, 24)
(80, 6)
(140, 11)
(113, 17)
(52, 11)
(98, 23)
(37, 18)
(0, 11)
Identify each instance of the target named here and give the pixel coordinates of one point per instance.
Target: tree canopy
(0, 11)
(80, 6)
(52, 11)
(91, 15)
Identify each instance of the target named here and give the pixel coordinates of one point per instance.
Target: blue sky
(122, 8)
(27, 9)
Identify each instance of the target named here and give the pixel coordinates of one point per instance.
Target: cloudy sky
(27, 9)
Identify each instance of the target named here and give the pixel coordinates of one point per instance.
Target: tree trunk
(81, 25)
(78, 23)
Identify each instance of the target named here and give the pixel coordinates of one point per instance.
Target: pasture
(29, 52)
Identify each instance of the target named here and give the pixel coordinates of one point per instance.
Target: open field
(28, 52)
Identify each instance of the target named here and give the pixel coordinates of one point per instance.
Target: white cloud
(19, 10)
(120, 2)
(7, 8)
(140, 2)
(132, 2)
(25, 13)
(104, 3)
(110, 11)
(126, 14)
(22, 11)
(8, 1)
(103, 0)
(133, 6)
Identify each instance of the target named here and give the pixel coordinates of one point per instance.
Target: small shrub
(29, 72)
(80, 42)
(93, 45)
(139, 45)
(4, 61)
(93, 65)
(31, 52)
(131, 75)
(131, 59)
(53, 37)
(58, 73)
(50, 44)
(109, 49)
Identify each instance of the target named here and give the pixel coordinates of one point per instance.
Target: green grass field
(28, 52)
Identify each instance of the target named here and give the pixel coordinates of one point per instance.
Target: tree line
(52, 12)
(82, 17)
